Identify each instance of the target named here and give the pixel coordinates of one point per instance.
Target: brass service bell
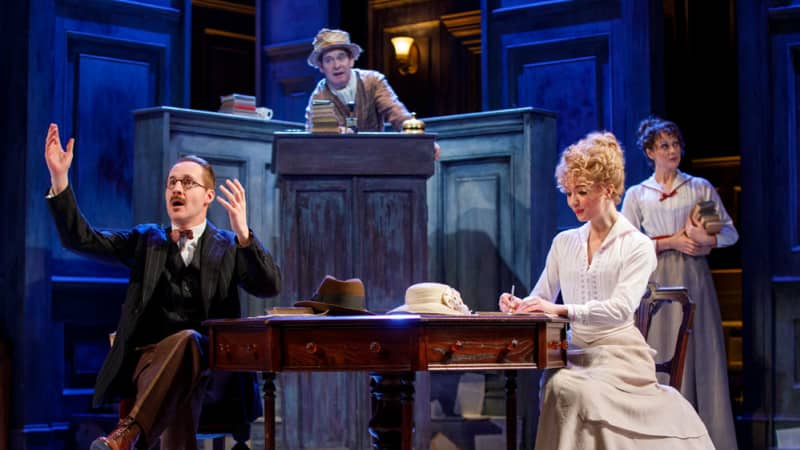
(413, 125)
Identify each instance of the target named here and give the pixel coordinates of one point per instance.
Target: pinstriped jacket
(224, 266)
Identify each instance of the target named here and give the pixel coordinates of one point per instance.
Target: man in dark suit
(179, 277)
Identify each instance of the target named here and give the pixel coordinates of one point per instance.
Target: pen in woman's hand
(511, 300)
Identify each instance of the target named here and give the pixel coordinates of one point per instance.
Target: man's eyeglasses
(187, 182)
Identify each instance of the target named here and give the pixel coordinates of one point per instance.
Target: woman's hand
(533, 304)
(696, 232)
(684, 244)
(537, 304)
(508, 303)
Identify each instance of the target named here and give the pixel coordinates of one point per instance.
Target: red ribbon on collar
(665, 196)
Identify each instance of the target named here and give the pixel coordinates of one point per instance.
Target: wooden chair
(221, 416)
(654, 300)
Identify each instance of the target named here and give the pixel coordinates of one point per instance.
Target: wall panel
(586, 60)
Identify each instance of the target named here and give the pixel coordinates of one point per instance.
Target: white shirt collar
(347, 94)
(651, 182)
(621, 227)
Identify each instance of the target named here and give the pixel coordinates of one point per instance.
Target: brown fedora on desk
(338, 297)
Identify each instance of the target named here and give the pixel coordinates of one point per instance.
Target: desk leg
(511, 409)
(269, 410)
(392, 423)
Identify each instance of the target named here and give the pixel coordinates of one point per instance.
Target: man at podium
(363, 95)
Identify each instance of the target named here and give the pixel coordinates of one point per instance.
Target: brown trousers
(171, 379)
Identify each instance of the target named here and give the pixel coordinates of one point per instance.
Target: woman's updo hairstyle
(650, 128)
(595, 160)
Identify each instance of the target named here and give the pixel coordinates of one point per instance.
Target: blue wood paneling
(390, 248)
(476, 229)
(786, 156)
(587, 60)
(86, 64)
(324, 206)
(111, 67)
(284, 35)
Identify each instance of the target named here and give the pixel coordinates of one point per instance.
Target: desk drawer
(471, 348)
(244, 349)
(355, 349)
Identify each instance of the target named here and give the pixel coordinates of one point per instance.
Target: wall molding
(129, 8)
(388, 4)
(466, 27)
(288, 50)
(222, 5)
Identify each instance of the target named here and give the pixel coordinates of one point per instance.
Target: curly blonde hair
(595, 160)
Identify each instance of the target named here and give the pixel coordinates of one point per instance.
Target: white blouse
(600, 297)
(658, 213)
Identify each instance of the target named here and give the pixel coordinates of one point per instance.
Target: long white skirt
(608, 398)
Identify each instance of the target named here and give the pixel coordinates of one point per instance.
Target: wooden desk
(391, 348)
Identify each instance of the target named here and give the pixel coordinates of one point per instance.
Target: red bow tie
(176, 235)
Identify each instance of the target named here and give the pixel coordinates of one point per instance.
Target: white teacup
(264, 112)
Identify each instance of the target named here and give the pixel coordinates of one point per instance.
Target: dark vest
(176, 303)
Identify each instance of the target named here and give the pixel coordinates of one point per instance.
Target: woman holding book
(662, 208)
(608, 397)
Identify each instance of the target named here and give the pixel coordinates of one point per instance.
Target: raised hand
(236, 205)
(58, 161)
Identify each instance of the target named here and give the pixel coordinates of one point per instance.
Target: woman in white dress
(659, 207)
(608, 397)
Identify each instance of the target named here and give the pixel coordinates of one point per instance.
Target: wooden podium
(353, 206)
(350, 206)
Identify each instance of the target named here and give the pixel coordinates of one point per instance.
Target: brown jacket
(376, 102)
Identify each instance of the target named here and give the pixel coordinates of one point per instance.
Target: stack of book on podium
(239, 104)
(323, 118)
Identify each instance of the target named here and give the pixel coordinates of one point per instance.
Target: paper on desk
(526, 314)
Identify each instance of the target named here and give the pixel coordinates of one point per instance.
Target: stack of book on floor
(323, 117)
(239, 104)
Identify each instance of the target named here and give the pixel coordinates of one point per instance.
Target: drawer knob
(375, 347)
(252, 348)
(224, 349)
(311, 347)
(506, 350)
(454, 347)
(512, 345)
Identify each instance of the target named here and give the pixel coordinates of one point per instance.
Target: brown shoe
(123, 437)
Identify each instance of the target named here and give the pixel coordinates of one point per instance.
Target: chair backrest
(654, 300)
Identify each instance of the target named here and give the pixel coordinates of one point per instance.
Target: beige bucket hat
(328, 39)
(432, 298)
